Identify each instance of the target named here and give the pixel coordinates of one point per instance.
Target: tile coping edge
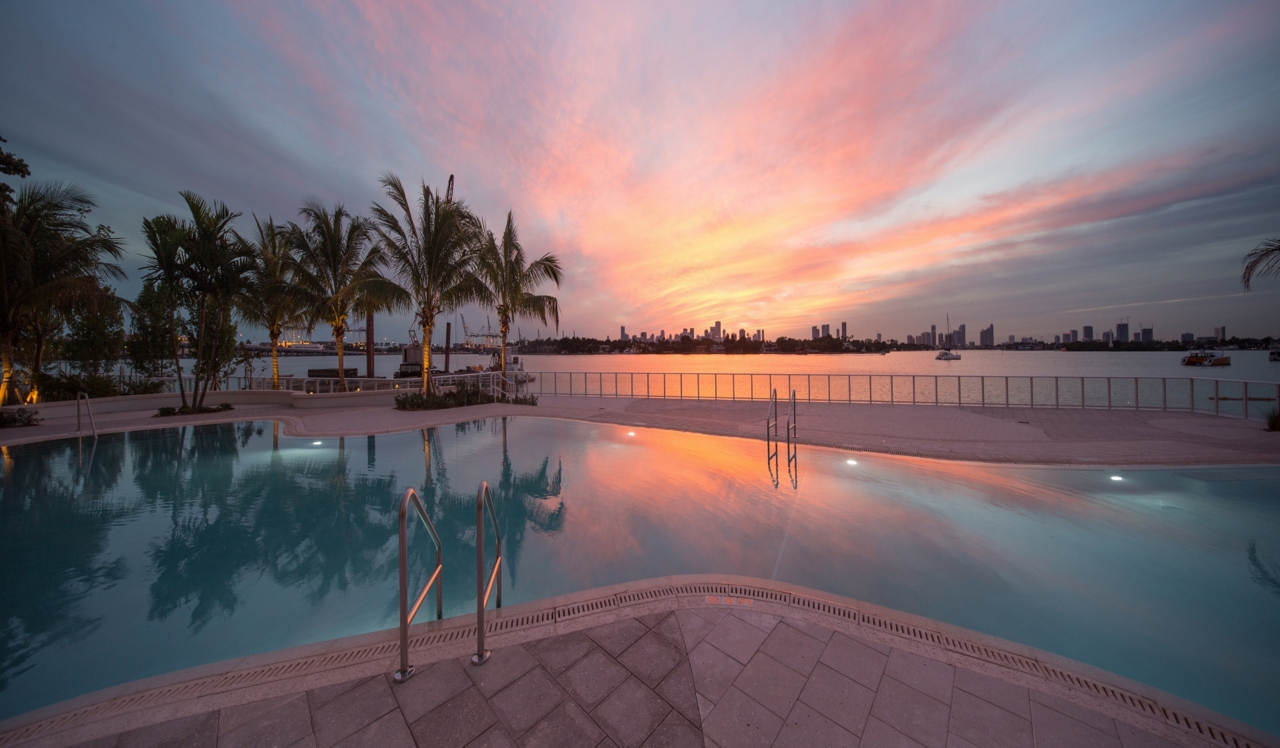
(1130, 701)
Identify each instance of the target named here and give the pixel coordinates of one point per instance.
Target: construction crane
(482, 339)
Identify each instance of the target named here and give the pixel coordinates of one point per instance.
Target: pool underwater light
(631, 433)
(1116, 477)
(852, 462)
(316, 443)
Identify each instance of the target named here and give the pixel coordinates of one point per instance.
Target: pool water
(164, 549)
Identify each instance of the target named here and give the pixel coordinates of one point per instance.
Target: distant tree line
(424, 252)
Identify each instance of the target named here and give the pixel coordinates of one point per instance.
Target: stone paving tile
(199, 730)
(821, 633)
(593, 677)
(1008, 696)
(351, 711)
(1096, 720)
(926, 675)
(494, 737)
(109, 741)
(232, 717)
(287, 723)
(806, 728)
(793, 648)
(736, 638)
(693, 628)
(430, 687)
(763, 621)
(388, 732)
(317, 697)
(456, 722)
(679, 692)
(675, 732)
(912, 713)
(713, 671)
(955, 741)
(880, 735)
(615, 637)
(742, 722)
(1132, 737)
(524, 703)
(771, 683)
(985, 724)
(705, 706)
(669, 629)
(566, 725)
(651, 658)
(841, 700)
(651, 620)
(714, 615)
(631, 713)
(852, 658)
(1054, 729)
(501, 670)
(559, 652)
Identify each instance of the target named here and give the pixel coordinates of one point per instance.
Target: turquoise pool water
(163, 549)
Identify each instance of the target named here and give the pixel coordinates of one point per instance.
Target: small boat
(1205, 358)
(946, 354)
(1274, 354)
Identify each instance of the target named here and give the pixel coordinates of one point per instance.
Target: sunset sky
(1038, 165)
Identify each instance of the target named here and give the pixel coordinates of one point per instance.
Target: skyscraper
(1075, 336)
(623, 334)
(1088, 333)
(1148, 335)
(1122, 332)
(844, 330)
(1220, 332)
(716, 332)
(933, 335)
(815, 332)
(987, 337)
(959, 337)
(826, 331)
(742, 333)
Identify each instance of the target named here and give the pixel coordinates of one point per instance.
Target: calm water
(164, 549)
(1245, 365)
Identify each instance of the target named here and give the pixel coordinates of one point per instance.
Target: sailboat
(945, 354)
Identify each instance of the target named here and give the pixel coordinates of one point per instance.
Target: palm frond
(1263, 261)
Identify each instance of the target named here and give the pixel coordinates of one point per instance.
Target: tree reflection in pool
(163, 549)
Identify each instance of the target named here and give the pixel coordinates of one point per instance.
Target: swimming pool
(164, 549)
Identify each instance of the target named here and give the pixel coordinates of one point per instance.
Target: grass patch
(19, 417)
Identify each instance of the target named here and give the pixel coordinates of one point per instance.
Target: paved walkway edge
(294, 670)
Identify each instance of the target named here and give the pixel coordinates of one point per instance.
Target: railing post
(1031, 384)
(983, 384)
(1135, 393)
(1108, 393)
(1216, 398)
(1082, 392)
(1055, 392)
(828, 388)
(1006, 392)
(913, 389)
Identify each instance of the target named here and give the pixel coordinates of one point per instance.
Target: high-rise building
(1220, 332)
(844, 330)
(742, 333)
(959, 337)
(1088, 333)
(987, 337)
(826, 331)
(1106, 336)
(815, 332)
(911, 340)
(1122, 332)
(1075, 336)
(933, 335)
(1148, 335)
(623, 334)
(1188, 337)
(1057, 339)
(1012, 340)
(878, 338)
(716, 332)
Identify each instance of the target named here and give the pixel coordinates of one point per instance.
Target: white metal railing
(489, 381)
(1240, 399)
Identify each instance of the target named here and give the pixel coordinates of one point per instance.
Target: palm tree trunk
(275, 360)
(6, 385)
(427, 329)
(339, 333)
(37, 365)
(197, 371)
(177, 359)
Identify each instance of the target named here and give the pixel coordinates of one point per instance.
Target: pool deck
(1016, 435)
(677, 661)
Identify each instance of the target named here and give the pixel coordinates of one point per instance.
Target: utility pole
(448, 334)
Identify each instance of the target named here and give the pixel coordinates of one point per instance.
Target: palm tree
(165, 236)
(1263, 261)
(510, 282)
(50, 257)
(432, 246)
(339, 270)
(215, 270)
(271, 301)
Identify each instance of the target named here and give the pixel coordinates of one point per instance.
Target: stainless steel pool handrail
(791, 430)
(485, 499)
(407, 614)
(82, 395)
(771, 426)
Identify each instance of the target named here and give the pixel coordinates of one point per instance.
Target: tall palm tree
(432, 246)
(215, 269)
(339, 270)
(1263, 261)
(271, 300)
(49, 257)
(510, 281)
(165, 236)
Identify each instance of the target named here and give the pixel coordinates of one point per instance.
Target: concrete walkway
(1019, 435)
(688, 678)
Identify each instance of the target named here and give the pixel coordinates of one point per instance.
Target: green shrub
(55, 388)
(223, 406)
(19, 417)
(465, 394)
(167, 411)
(1273, 420)
(142, 387)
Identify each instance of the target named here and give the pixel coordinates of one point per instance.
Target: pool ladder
(484, 505)
(771, 439)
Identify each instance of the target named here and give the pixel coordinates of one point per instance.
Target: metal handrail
(791, 430)
(85, 396)
(485, 499)
(407, 614)
(771, 426)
